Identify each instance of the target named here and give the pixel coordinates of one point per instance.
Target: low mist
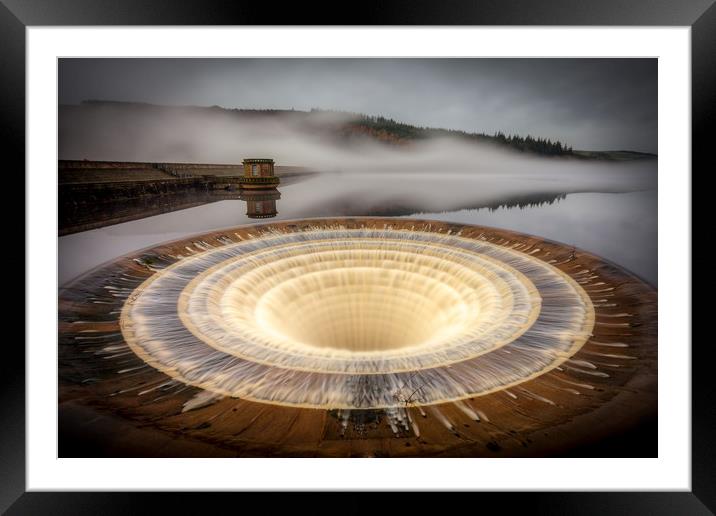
(136, 132)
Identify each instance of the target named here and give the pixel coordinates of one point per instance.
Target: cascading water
(353, 318)
(359, 337)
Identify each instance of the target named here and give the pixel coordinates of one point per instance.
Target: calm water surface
(611, 215)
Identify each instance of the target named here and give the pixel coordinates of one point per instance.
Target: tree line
(527, 143)
(538, 145)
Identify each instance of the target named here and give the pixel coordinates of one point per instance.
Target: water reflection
(260, 204)
(76, 217)
(612, 214)
(83, 213)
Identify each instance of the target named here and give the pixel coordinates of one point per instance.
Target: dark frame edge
(12, 136)
(369, 12)
(703, 123)
(589, 504)
(702, 500)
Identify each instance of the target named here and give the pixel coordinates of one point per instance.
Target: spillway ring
(337, 317)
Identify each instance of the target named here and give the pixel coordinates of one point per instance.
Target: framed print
(441, 249)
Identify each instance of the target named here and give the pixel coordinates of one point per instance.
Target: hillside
(345, 128)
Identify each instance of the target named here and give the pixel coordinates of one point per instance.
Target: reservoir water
(612, 214)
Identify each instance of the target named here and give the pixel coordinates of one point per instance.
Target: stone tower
(258, 174)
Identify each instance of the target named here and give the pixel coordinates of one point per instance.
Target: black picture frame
(17, 15)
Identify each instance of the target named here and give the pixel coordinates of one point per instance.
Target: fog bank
(126, 132)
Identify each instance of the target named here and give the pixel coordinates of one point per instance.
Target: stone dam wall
(97, 193)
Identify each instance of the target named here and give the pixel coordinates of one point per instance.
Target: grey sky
(596, 104)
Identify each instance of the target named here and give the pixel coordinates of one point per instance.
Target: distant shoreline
(350, 126)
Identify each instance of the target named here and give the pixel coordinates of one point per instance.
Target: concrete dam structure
(357, 337)
(94, 194)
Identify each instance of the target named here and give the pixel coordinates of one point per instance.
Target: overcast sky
(596, 104)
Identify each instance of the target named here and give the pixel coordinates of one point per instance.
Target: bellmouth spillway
(337, 335)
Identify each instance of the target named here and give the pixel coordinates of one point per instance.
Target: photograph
(357, 257)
